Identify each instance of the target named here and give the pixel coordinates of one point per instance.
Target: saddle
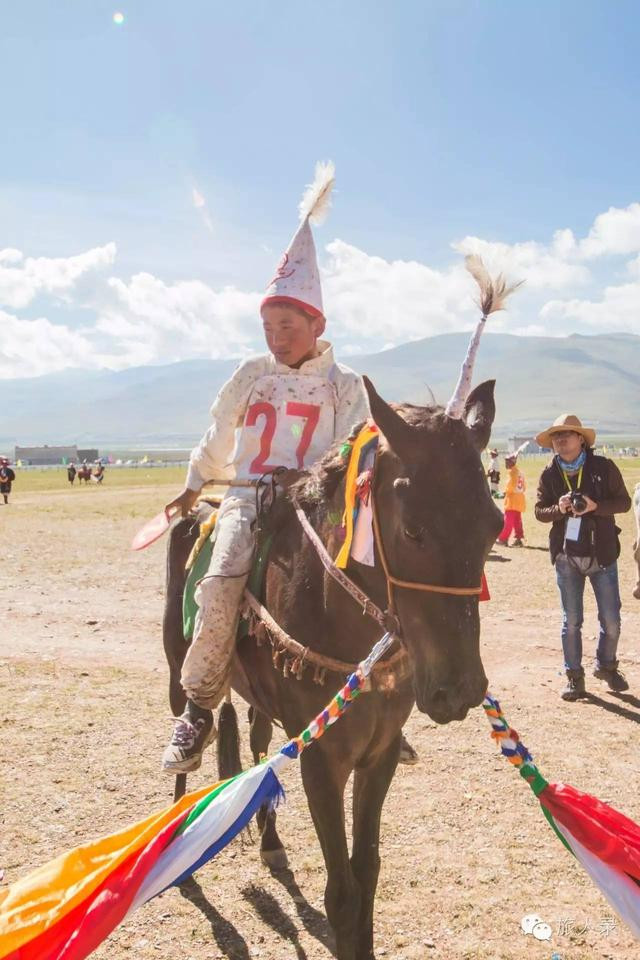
(289, 656)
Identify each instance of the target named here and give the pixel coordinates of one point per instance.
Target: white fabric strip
(212, 823)
(622, 893)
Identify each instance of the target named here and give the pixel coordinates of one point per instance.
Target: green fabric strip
(202, 804)
(555, 829)
(197, 572)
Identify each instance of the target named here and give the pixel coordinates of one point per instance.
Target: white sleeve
(353, 404)
(211, 458)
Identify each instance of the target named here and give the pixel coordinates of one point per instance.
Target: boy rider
(284, 408)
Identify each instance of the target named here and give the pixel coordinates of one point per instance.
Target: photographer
(579, 493)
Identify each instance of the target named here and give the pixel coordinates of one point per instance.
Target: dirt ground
(466, 852)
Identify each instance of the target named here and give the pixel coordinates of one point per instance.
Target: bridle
(387, 618)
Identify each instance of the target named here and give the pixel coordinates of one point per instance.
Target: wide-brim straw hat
(566, 421)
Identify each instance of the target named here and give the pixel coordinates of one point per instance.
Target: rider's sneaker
(614, 679)
(191, 734)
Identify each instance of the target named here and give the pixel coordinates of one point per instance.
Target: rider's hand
(564, 503)
(184, 502)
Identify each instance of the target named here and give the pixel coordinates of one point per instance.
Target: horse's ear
(479, 413)
(397, 432)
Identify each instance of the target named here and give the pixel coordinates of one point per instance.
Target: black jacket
(602, 481)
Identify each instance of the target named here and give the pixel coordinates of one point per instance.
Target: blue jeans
(604, 581)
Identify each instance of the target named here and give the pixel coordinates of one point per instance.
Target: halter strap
(411, 584)
(388, 618)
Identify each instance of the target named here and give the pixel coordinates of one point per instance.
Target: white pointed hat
(297, 278)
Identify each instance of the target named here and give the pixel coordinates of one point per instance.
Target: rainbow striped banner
(65, 909)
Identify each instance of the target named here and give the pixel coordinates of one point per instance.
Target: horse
(84, 473)
(435, 523)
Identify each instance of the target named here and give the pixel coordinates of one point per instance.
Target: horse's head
(437, 523)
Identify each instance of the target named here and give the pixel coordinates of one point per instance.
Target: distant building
(50, 456)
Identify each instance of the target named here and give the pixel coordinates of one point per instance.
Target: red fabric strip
(484, 593)
(79, 932)
(605, 832)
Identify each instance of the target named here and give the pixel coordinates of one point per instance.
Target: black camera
(578, 502)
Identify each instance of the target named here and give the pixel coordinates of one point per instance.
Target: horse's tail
(229, 762)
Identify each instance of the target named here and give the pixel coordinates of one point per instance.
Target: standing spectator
(579, 493)
(493, 474)
(7, 476)
(514, 503)
(71, 473)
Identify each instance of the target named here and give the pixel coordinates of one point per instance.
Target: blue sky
(500, 121)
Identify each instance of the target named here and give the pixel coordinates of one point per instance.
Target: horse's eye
(414, 533)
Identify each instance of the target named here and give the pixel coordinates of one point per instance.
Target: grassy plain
(465, 850)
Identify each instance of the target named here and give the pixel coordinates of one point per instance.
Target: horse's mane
(319, 483)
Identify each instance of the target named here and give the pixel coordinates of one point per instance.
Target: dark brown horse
(437, 525)
(84, 473)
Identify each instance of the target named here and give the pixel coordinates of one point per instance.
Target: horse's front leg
(370, 786)
(272, 853)
(324, 775)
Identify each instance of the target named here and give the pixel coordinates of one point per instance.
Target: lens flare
(118, 18)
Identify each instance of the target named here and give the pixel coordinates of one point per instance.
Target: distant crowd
(85, 472)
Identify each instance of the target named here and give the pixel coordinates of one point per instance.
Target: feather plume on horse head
(493, 292)
(316, 199)
(493, 296)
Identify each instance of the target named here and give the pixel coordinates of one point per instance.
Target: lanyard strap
(568, 482)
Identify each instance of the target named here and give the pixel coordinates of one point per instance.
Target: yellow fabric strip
(350, 492)
(33, 904)
(206, 529)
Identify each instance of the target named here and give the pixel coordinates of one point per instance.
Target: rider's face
(291, 335)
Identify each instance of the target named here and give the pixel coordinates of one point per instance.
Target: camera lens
(578, 501)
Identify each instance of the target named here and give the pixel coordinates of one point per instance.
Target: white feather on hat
(297, 279)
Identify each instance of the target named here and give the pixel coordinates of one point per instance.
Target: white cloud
(29, 348)
(156, 321)
(617, 311)
(589, 283)
(616, 232)
(380, 300)
(21, 282)
(542, 267)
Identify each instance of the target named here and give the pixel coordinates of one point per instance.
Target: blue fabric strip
(269, 791)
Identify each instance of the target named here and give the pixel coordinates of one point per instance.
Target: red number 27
(309, 412)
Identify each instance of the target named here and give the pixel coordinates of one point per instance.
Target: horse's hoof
(275, 860)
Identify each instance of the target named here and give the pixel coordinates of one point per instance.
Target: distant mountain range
(537, 379)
